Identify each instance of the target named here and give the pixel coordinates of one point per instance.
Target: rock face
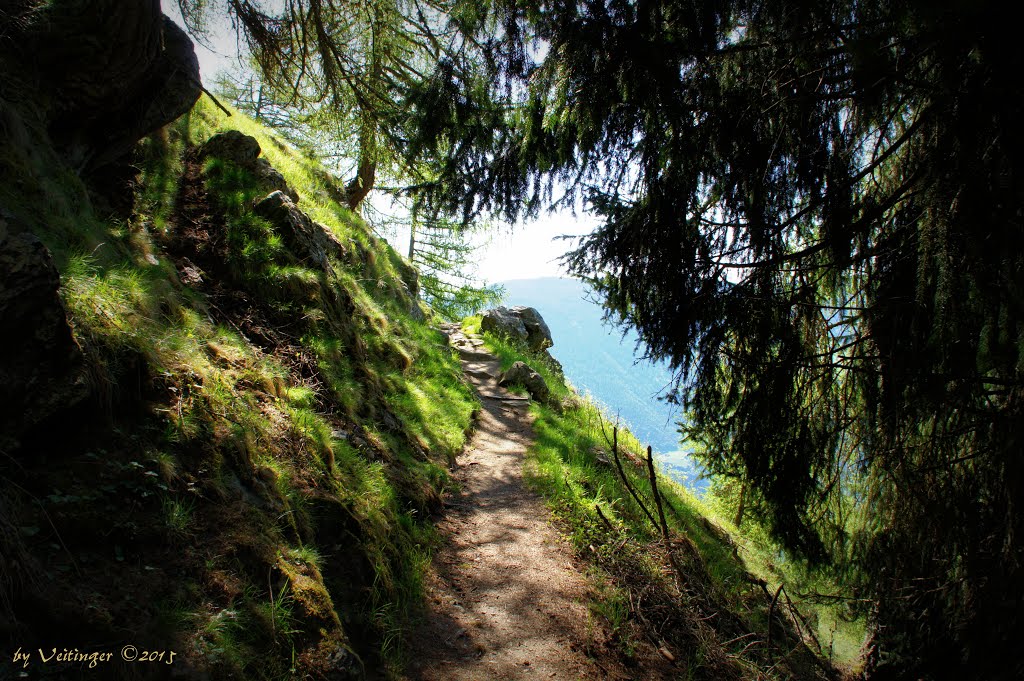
(502, 322)
(305, 236)
(538, 335)
(43, 369)
(112, 71)
(518, 323)
(522, 374)
(273, 180)
(244, 150)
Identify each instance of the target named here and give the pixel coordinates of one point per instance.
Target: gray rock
(272, 180)
(537, 331)
(233, 146)
(518, 323)
(522, 374)
(600, 455)
(503, 322)
(43, 370)
(244, 150)
(310, 240)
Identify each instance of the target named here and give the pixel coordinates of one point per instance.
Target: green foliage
(441, 251)
(815, 222)
(572, 465)
(178, 516)
(332, 77)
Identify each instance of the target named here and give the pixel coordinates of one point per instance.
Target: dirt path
(506, 600)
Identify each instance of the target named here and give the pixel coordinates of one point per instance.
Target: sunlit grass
(252, 447)
(571, 464)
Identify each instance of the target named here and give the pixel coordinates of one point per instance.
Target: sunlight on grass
(295, 420)
(571, 464)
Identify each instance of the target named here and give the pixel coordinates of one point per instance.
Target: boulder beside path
(520, 323)
(523, 374)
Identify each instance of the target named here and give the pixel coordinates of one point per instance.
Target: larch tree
(444, 257)
(813, 210)
(342, 67)
(333, 78)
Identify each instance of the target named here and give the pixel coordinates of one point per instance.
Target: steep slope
(249, 424)
(669, 575)
(603, 362)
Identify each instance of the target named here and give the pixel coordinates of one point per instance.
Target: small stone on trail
(522, 374)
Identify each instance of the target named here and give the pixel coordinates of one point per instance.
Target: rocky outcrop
(522, 374)
(538, 335)
(42, 371)
(518, 323)
(232, 146)
(415, 310)
(309, 239)
(502, 322)
(109, 72)
(272, 180)
(244, 151)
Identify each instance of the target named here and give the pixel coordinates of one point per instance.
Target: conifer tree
(444, 257)
(345, 66)
(813, 211)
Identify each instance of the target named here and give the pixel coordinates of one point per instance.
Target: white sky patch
(531, 250)
(223, 42)
(524, 251)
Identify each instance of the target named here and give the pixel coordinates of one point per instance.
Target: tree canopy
(345, 66)
(813, 211)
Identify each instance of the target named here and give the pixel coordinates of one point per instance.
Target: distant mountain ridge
(602, 361)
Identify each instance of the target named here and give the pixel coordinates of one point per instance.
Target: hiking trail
(506, 597)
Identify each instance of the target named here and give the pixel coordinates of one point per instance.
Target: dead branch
(625, 480)
(601, 515)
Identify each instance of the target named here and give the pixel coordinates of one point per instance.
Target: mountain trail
(506, 597)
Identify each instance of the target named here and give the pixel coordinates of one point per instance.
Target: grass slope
(707, 599)
(247, 484)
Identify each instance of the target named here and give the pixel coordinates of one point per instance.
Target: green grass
(314, 461)
(178, 516)
(571, 464)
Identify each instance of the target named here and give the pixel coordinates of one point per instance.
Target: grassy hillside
(247, 482)
(708, 597)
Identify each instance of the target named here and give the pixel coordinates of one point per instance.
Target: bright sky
(523, 251)
(221, 38)
(531, 250)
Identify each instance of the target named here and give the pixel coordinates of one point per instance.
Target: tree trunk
(357, 189)
(738, 520)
